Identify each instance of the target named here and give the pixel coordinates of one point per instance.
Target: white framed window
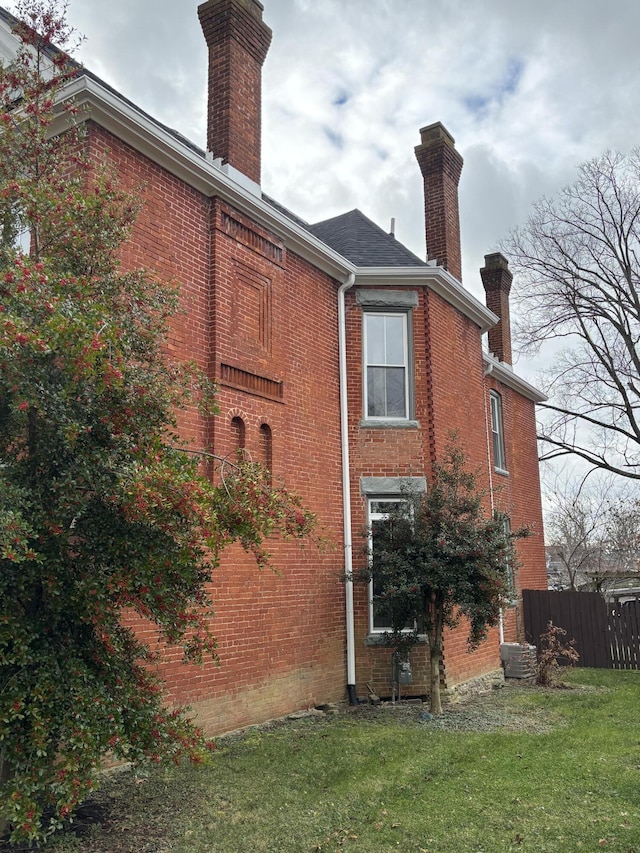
(386, 366)
(14, 233)
(511, 581)
(23, 241)
(378, 511)
(497, 432)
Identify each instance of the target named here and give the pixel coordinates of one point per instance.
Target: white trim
(406, 364)
(497, 432)
(141, 132)
(127, 123)
(371, 517)
(502, 372)
(437, 279)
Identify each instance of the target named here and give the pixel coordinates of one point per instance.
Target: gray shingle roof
(363, 242)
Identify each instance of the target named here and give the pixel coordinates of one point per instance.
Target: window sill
(377, 638)
(501, 471)
(389, 423)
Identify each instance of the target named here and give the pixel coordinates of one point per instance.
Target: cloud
(528, 91)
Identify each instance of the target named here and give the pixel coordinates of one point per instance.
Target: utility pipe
(346, 488)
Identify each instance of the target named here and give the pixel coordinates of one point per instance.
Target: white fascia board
(8, 42)
(107, 109)
(436, 278)
(503, 372)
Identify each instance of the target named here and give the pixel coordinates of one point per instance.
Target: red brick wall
(450, 397)
(518, 494)
(271, 320)
(263, 323)
(171, 239)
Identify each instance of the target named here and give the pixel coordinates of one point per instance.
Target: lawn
(520, 769)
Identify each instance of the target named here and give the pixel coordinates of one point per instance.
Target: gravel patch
(494, 711)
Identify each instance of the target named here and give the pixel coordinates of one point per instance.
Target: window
(386, 387)
(23, 241)
(499, 460)
(15, 233)
(511, 583)
(379, 614)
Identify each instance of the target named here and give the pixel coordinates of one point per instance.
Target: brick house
(343, 362)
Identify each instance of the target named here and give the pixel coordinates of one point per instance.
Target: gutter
(346, 490)
(503, 372)
(437, 279)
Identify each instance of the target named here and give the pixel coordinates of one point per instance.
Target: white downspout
(487, 372)
(346, 488)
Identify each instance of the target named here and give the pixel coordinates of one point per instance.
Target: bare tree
(574, 526)
(577, 261)
(593, 531)
(622, 540)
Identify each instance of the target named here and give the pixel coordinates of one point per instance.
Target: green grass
(563, 774)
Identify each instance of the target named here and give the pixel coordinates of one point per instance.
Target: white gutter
(503, 372)
(109, 110)
(346, 488)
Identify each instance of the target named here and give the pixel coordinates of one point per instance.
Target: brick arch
(265, 450)
(238, 432)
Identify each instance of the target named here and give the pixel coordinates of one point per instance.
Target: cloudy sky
(528, 90)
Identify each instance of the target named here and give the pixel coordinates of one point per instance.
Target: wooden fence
(607, 635)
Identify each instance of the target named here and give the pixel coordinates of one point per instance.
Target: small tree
(439, 558)
(101, 513)
(574, 526)
(554, 651)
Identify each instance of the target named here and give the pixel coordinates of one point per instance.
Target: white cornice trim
(437, 279)
(106, 108)
(503, 372)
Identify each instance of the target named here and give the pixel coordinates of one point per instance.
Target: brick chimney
(441, 166)
(497, 279)
(238, 41)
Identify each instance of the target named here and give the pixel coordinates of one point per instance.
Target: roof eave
(503, 373)
(437, 279)
(100, 104)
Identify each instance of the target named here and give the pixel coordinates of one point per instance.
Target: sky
(528, 91)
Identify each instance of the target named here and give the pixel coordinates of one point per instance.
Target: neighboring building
(343, 361)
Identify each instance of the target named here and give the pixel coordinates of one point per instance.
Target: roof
(364, 243)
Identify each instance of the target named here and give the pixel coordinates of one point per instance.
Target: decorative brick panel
(241, 379)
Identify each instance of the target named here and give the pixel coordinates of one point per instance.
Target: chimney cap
(436, 133)
(495, 260)
(252, 7)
